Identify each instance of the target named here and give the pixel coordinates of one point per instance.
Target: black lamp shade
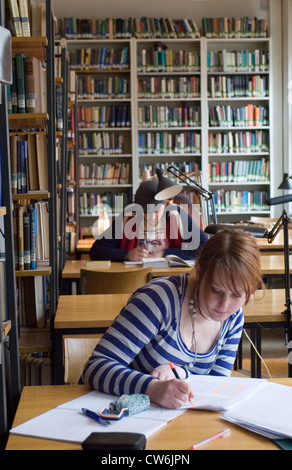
(167, 189)
(286, 183)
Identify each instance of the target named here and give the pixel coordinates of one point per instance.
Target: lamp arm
(185, 179)
(271, 235)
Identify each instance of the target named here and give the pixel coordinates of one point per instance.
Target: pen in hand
(175, 373)
(95, 416)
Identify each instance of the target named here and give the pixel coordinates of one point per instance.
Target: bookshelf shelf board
(6, 326)
(35, 46)
(32, 195)
(34, 340)
(99, 72)
(2, 211)
(27, 120)
(40, 271)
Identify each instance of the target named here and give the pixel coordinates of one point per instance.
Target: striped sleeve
(146, 314)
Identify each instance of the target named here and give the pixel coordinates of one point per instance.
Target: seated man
(149, 229)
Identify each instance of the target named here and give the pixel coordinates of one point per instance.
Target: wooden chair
(77, 351)
(95, 281)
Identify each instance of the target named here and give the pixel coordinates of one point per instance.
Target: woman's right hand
(170, 393)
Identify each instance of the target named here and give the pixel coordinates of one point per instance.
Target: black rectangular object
(114, 441)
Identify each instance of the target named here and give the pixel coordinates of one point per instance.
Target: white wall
(194, 9)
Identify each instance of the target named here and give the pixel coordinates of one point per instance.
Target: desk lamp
(191, 186)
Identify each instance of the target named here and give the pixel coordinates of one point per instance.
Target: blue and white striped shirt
(146, 334)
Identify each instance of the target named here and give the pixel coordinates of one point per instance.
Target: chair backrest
(77, 351)
(94, 281)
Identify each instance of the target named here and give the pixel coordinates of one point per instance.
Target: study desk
(271, 265)
(71, 271)
(83, 314)
(179, 434)
(87, 314)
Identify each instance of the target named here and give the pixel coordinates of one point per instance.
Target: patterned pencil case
(126, 405)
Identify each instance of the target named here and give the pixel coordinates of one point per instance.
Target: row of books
(238, 86)
(238, 61)
(93, 174)
(230, 27)
(101, 143)
(166, 116)
(153, 27)
(103, 58)
(29, 162)
(25, 18)
(92, 87)
(165, 87)
(28, 91)
(92, 203)
(238, 116)
(238, 142)
(239, 171)
(163, 143)
(115, 115)
(148, 170)
(123, 28)
(240, 201)
(31, 228)
(159, 59)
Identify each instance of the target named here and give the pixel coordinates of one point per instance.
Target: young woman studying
(192, 320)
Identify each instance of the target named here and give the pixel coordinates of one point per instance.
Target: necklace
(219, 340)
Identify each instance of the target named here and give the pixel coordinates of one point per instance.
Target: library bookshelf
(174, 89)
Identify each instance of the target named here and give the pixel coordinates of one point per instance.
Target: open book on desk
(168, 261)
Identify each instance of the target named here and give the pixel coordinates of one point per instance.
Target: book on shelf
(238, 116)
(105, 174)
(238, 86)
(239, 171)
(30, 230)
(26, 18)
(24, 12)
(222, 60)
(28, 91)
(34, 303)
(115, 116)
(14, 22)
(29, 163)
(168, 87)
(230, 27)
(35, 85)
(239, 142)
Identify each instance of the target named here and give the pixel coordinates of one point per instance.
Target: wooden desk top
(88, 311)
(198, 424)
(72, 269)
(99, 310)
(278, 243)
(270, 264)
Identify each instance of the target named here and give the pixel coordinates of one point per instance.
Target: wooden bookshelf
(35, 46)
(28, 120)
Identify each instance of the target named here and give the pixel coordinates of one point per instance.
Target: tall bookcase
(104, 131)
(9, 359)
(174, 112)
(41, 281)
